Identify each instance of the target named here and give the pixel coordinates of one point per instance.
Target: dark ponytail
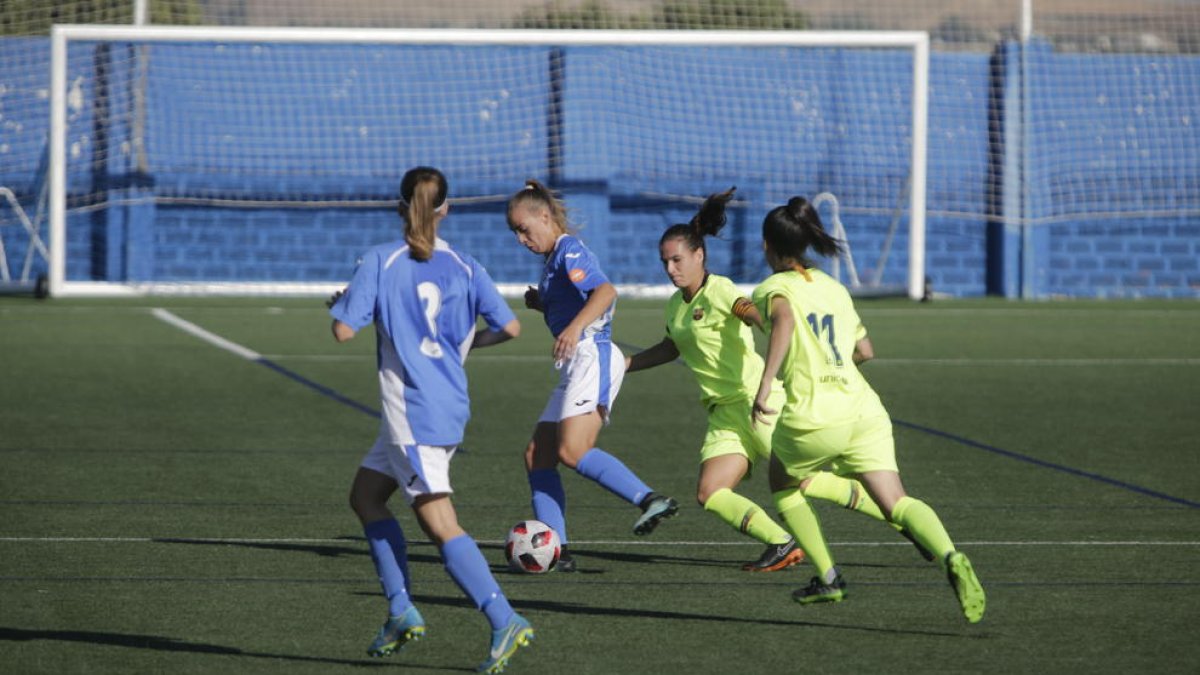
(707, 222)
(791, 230)
(422, 192)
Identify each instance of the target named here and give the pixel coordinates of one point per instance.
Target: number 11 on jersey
(825, 325)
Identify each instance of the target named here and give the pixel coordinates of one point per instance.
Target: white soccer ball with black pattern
(532, 547)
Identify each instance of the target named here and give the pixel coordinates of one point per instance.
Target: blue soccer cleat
(397, 632)
(655, 507)
(505, 641)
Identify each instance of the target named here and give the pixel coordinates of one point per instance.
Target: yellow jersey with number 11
(824, 387)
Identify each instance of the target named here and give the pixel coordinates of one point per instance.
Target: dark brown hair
(707, 222)
(791, 230)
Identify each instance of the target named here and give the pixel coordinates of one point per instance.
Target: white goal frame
(60, 35)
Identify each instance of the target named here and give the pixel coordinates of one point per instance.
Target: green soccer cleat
(655, 507)
(397, 632)
(518, 633)
(966, 586)
(819, 591)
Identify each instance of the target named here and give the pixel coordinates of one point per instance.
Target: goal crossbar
(62, 34)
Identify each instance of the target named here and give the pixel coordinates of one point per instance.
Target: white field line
(875, 362)
(211, 338)
(575, 542)
(1034, 362)
(1049, 310)
(546, 358)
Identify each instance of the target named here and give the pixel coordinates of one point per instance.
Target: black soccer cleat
(777, 557)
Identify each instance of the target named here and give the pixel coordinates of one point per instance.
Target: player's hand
(761, 411)
(532, 299)
(334, 298)
(564, 346)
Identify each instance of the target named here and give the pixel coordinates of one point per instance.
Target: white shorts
(587, 381)
(418, 469)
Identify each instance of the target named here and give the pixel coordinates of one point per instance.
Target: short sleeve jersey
(824, 386)
(714, 343)
(425, 314)
(571, 272)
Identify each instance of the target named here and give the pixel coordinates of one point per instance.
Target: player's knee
(570, 455)
(366, 508)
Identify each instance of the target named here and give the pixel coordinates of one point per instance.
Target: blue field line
(318, 387)
(326, 391)
(1047, 465)
(633, 349)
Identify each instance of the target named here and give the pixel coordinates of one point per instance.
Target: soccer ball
(532, 547)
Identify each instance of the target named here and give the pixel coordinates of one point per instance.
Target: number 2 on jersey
(825, 325)
(431, 296)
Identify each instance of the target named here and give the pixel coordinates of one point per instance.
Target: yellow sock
(799, 517)
(844, 492)
(745, 516)
(923, 524)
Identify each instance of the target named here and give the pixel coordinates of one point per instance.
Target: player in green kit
(708, 324)
(832, 414)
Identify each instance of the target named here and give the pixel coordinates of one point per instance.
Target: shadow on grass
(624, 612)
(358, 548)
(167, 644)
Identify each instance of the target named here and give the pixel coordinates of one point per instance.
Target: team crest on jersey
(576, 275)
(697, 313)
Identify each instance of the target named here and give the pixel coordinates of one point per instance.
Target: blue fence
(1098, 155)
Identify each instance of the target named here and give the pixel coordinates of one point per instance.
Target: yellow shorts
(860, 446)
(730, 432)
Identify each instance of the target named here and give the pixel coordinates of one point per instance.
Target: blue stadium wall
(1137, 140)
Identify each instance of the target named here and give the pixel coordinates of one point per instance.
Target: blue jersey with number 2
(424, 315)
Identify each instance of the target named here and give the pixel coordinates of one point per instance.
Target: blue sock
(466, 565)
(549, 500)
(390, 554)
(609, 472)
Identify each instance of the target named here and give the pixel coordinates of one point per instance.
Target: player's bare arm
(342, 332)
(747, 312)
(783, 322)
(663, 352)
(485, 337)
(863, 351)
(599, 300)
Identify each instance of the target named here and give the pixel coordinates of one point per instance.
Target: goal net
(265, 160)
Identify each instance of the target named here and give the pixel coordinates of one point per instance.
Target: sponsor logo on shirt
(576, 275)
(571, 255)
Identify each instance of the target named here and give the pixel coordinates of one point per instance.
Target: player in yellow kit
(832, 414)
(708, 324)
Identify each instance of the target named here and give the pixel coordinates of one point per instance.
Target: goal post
(288, 167)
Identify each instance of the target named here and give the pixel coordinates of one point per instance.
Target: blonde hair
(422, 193)
(535, 194)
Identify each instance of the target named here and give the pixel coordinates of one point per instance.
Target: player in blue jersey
(424, 299)
(577, 301)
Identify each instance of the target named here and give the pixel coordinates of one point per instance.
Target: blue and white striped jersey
(425, 315)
